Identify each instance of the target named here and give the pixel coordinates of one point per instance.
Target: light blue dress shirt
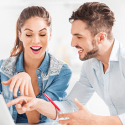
(109, 86)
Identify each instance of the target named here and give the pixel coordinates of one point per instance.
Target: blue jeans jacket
(53, 79)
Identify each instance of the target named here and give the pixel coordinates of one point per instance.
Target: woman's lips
(35, 49)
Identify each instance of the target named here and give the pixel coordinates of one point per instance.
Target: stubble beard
(91, 54)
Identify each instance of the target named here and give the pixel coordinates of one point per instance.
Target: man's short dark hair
(98, 17)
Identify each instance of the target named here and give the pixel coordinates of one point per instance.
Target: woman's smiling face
(35, 35)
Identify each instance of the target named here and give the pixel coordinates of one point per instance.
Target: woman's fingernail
(15, 95)
(76, 99)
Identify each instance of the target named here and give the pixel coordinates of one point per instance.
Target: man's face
(83, 40)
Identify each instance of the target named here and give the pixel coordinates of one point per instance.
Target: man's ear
(101, 37)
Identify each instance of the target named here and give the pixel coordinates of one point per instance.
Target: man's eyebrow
(77, 34)
(28, 29)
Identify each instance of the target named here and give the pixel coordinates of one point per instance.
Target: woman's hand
(24, 104)
(21, 80)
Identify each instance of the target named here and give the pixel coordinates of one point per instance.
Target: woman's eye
(28, 35)
(43, 35)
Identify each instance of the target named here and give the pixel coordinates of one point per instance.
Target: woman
(31, 70)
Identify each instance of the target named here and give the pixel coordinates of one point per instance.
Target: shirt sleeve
(82, 90)
(122, 118)
(0, 77)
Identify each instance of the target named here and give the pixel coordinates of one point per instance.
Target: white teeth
(80, 49)
(35, 47)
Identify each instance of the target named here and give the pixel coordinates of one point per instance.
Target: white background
(59, 46)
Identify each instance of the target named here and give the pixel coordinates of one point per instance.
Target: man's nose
(73, 43)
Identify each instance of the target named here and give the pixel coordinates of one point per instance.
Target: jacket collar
(19, 64)
(14, 64)
(45, 64)
(43, 67)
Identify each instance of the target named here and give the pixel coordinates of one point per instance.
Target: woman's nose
(36, 40)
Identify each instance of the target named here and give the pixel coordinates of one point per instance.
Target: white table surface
(48, 123)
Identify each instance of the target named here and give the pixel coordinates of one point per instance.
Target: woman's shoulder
(58, 64)
(55, 60)
(8, 61)
(7, 66)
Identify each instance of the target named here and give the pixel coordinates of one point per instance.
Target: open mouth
(80, 51)
(35, 48)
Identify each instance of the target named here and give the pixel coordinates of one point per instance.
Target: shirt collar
(114, 56)
(43, 67)
(115, 52)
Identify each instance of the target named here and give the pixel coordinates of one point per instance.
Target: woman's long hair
(27, 13)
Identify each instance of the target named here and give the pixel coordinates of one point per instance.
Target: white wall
(60, 11)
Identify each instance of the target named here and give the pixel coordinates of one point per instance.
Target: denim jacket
(53, 79)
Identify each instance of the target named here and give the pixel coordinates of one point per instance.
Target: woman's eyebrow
(28, 29)
(32, 30)
(43, 29)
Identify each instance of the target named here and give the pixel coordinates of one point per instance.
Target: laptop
(5, 116)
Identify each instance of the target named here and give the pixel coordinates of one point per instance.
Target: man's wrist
(106, 120)
(94, 120)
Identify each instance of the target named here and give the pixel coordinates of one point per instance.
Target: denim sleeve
(0, 77)
(57, 89)
(82, 90)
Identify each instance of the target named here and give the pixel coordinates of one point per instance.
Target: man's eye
(79, 37)
(28, 35)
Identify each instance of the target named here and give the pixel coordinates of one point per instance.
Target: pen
(58, 109)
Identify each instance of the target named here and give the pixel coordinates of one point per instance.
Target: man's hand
(21, 80)
(24, 104)
(80, 117)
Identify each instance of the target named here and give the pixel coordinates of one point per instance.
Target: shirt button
(39, 77)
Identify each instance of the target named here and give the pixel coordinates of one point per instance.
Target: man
(103, 71)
